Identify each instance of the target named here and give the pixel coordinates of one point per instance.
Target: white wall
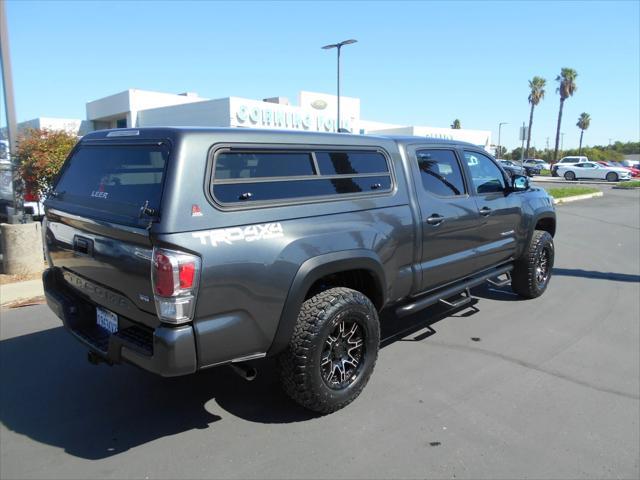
(481, 138)
(144, 99)
(106, 107)
(71, 125)
(130, 102)
(210, 113)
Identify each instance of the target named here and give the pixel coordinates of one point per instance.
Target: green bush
(40, 154)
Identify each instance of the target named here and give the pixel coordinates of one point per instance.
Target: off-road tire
(525, 279)
(301, 373)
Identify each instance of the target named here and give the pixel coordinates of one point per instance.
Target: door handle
(484, 211)
(435, 219)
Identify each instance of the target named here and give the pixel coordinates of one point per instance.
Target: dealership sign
(290, 118)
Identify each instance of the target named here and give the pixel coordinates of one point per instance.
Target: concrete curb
(626, 188)
(11, 292)
(575, 198)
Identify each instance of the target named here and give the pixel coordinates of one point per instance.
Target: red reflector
(30, 197)
(195, 210)
(164, 275)
(187, 272)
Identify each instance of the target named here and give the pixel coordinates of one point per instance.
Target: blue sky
(415, 63)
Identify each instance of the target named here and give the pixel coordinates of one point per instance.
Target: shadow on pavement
(51, 394)
(503, 294)
(577, 272)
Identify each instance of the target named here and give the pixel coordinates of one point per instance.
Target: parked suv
(180, 249)
(564, 161)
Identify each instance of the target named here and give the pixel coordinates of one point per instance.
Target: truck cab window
(440, 172)
(485, 174)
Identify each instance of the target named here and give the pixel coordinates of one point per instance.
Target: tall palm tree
(584, 120)
(567, 88)
(536, 94)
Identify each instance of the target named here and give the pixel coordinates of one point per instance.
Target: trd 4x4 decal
(250, 233)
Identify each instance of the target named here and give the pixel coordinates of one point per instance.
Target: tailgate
(112, 267)
(97, 223)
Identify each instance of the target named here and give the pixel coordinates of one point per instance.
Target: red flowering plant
(40, 154)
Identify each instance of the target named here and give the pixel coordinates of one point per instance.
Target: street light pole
(499, 131)
(338, 46)
(10, 111)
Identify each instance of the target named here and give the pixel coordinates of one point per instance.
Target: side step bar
(442, 295)
(465, 297)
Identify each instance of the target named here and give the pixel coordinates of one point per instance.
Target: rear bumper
(166, 351)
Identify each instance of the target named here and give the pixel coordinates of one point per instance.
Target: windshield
(114, 181)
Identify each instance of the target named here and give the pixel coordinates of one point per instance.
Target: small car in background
(635, 172)
(593, 170)
(513, 167)
(537, 162)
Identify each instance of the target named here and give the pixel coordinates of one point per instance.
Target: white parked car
(567, 161)
(537, 162)
(593, 170)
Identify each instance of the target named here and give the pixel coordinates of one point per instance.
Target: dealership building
(314, 112)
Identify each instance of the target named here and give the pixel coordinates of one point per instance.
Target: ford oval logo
(319, 104)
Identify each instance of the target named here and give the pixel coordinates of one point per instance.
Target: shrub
(40, 153)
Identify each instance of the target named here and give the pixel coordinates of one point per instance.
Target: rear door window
(114, 182)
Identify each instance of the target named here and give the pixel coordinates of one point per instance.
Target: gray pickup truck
(180, 249)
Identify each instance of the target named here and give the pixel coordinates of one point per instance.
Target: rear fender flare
(312, 270)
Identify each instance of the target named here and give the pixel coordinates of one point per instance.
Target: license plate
(107, 320)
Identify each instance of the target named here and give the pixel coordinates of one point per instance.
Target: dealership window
(440, 172)
(250, 176)
(485, 174)
(121, 123)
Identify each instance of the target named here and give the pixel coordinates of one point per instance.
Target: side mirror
(519, 183)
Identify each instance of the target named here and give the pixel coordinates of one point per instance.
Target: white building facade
(315, 112)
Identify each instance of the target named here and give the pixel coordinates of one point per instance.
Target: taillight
(174, 276)
(186, 274)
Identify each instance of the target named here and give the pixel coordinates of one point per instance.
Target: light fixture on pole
(499, 131)
(339, 46)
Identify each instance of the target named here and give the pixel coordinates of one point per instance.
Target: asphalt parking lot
(546, 388)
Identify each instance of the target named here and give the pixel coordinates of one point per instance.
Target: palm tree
(536, 94)
(583, 123)
(567, 88)
(456, 124)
